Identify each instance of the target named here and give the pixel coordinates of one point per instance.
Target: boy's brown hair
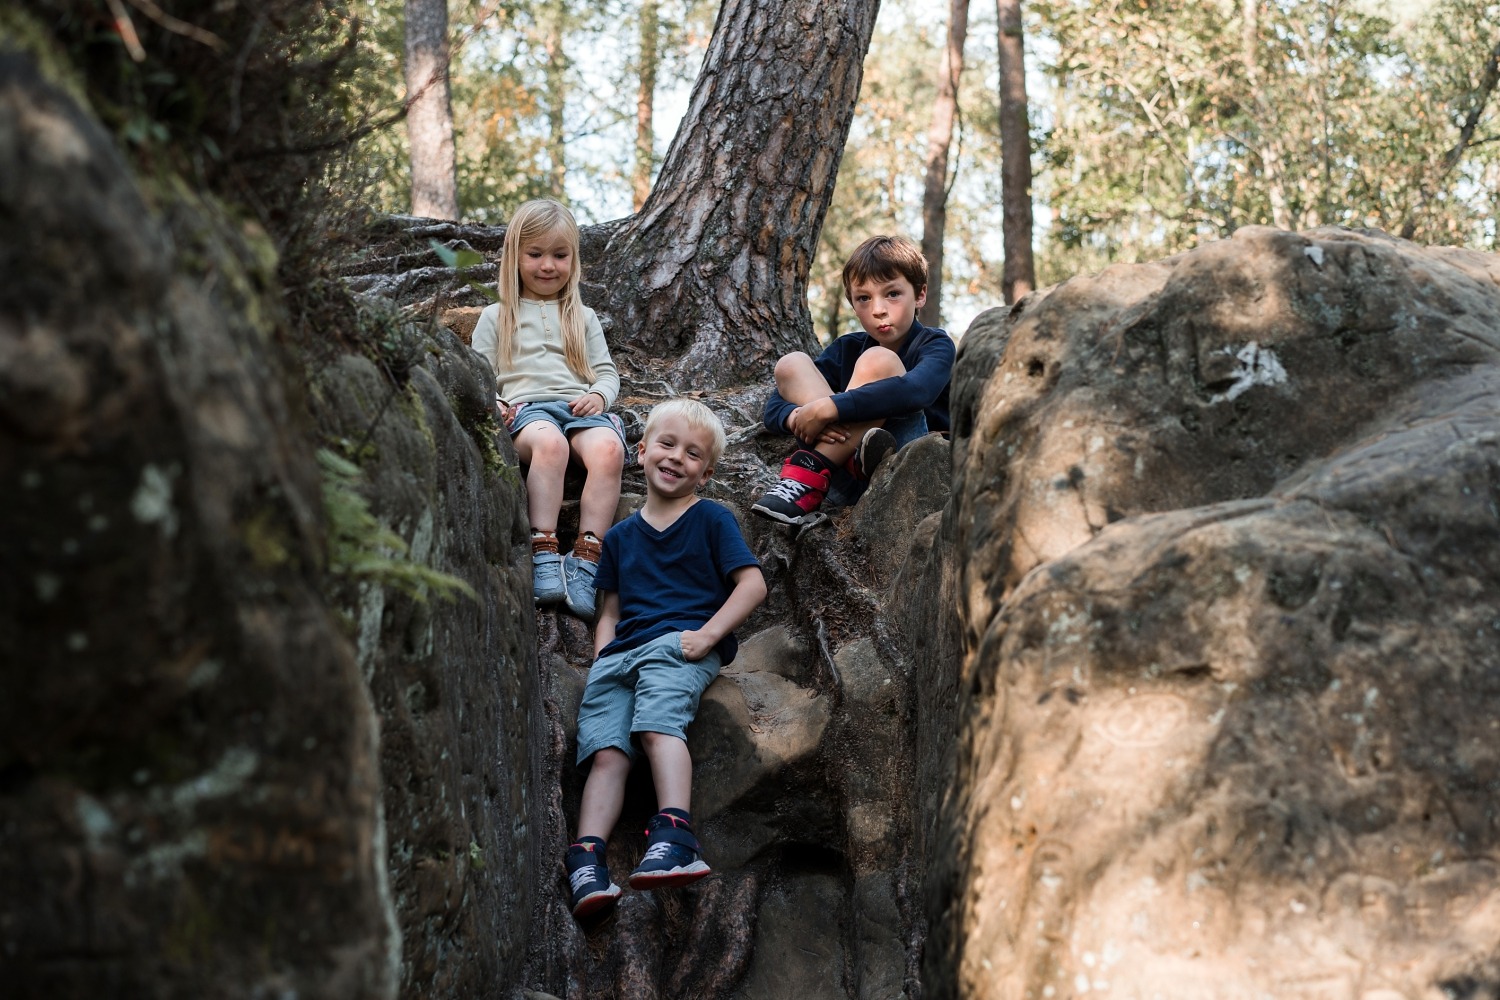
(881, 258)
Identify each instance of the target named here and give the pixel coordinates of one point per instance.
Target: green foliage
(362, 548)
(506, 88)
(1175, 122)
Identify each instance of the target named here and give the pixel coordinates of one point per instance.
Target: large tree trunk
(429, 115)
(1019, 275)
(645, 104)
(939, 139)
(712, 272)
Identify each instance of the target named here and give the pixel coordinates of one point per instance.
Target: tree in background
(1178, 122)
(645, 104)
(939, 141)
(429, 112)
(1019, 276)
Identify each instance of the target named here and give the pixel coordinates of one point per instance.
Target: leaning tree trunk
(429, 115)
(712, 273)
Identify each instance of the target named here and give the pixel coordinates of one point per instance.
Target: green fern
(359, 546)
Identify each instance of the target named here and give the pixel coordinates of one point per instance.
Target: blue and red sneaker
(588, 876)
(672, 856)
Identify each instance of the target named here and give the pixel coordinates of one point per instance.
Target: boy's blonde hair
(881, 258)
(533, 221)
(695, 415)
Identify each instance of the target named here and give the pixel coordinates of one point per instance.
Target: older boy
(675, 580)
(865, 396)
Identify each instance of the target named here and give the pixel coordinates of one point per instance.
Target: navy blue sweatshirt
(928, 356)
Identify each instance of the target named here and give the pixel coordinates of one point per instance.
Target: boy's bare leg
(671, 770)
(602, 455)
(604, 793)
(799, 381)
(542, 447)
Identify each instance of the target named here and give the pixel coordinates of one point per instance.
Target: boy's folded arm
(889, 397)
(776, 411)
(749, 591)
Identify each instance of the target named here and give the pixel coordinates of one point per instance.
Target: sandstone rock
(1228, 617)
(453, 680)
(190, 796)
(909, 486)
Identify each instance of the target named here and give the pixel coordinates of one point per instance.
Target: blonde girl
(556, 382)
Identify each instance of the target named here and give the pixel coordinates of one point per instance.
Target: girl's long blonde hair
(534, 221)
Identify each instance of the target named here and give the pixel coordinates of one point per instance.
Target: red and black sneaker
(800, 492)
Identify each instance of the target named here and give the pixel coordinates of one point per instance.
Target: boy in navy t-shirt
(868, 394)
(675, 579)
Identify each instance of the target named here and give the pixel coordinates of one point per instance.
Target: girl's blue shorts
(556, 412)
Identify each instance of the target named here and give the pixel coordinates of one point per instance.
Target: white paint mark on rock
(152, 503)
(1255, 366)
(1314, 253)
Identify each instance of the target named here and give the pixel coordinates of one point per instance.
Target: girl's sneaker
(578, 577)
(547, 577)
(588, 877)
(672, 858)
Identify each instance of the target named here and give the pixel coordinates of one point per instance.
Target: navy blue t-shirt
(673, 580)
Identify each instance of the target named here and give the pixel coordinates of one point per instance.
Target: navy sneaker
(588, 876)
(671, 858)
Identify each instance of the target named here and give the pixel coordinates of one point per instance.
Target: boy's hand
(696, 644)
(817, 422)
(587, 405)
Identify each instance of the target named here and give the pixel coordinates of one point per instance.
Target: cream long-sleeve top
(539, 369)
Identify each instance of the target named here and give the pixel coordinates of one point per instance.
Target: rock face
(225, 770)
(189, 786)
(1229, 632)
(453, 680)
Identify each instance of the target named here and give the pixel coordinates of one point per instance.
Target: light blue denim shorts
(652, 688)
(556, 412)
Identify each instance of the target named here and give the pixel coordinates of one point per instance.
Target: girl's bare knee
(602, 454)
(548, 449)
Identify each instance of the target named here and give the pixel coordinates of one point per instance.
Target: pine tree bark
(429, 114)
(939, 141)
(1019, 274)
(645, 104)
(711, 274)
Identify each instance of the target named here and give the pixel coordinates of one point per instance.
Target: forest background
(1154, 125)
